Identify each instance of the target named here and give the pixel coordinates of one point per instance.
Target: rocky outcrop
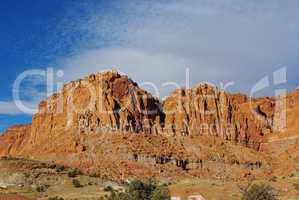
(103, 102)
(86, 123)
(14, 139)
(109, 102)
(205, 110)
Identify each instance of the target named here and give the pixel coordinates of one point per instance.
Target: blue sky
(236, 41)
(22, 45)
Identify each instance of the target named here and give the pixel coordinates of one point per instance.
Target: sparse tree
(72, 173)
(60, 168)
(42, 188)
(55, 198)
(76, 183)
(137, 190)
(161, 193)
(260, 192)
(108, 189)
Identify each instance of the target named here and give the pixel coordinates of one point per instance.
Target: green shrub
(42, 188)
(260, 192)
(161, 193)
(52, 166)
(140, 190)
(76, 183)
(60, 168)
(118, 196)
(72, 173)
(137, 190)
(108, 189)
(55, 198)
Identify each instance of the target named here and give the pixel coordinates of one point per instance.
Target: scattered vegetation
(42, 188)
(77, 183)
(55, 198)
(108, 189)
(137, 190)
(59, 168)
(72, 173)
(260, 192)
(161, 193)
(52, 166)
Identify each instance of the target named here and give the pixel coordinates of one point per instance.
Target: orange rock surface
(106, 125)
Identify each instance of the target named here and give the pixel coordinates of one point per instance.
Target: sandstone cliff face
(109, 102)
(103, 102)
(85, 125)
(13, 140)
(204, 110)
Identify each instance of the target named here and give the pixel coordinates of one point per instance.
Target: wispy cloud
(219, 41)
(26, 96)
(9, 108)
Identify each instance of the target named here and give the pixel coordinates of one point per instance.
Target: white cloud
(9, 108)
(26, 94)
(220, 41)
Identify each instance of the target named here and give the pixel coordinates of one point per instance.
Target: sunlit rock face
(100, 102)
(205, 110)
(110, 102)
(14, 140)
(105, 121)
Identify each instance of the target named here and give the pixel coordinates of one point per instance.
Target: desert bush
(141, 190)
(52, 166)
(118, 196)
(108, 189)
(260, 192)
(161, 193)
(59, 168)
(137, 190)
(42, 188)
(76, 183)
(72, 173)
(55, 198)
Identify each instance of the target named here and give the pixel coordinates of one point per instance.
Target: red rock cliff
(98, 103)
(107, 102)
(14, 139)
(204, 110)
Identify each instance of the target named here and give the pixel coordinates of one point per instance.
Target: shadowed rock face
(86, 125)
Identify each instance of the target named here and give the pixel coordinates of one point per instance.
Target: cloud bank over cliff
(219, 41)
